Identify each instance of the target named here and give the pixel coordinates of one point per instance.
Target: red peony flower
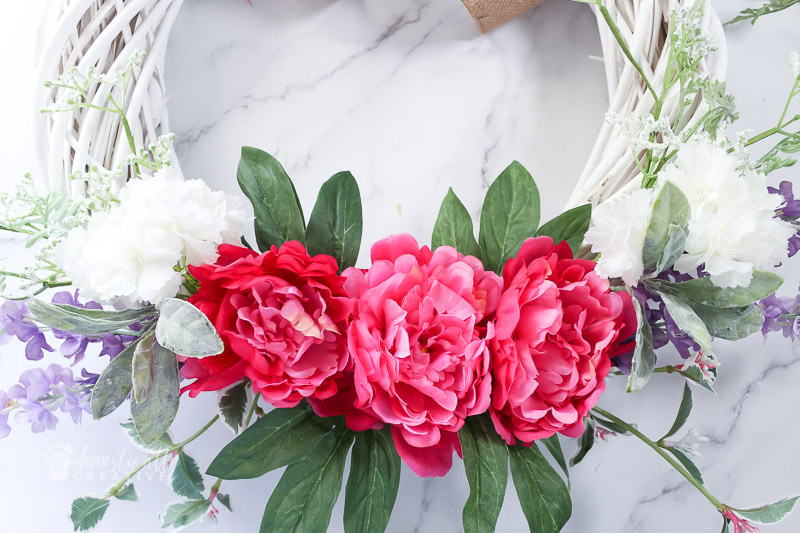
(282, 316)
(419, 347)
(557, 327)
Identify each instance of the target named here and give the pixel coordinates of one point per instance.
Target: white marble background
(412, 99)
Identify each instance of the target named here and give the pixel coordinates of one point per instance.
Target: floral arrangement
(489, 348)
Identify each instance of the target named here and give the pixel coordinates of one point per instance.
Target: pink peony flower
(419, 346)
(557, 327)
(282, 316)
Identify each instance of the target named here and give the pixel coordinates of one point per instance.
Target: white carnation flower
(732, 229)
(132, 252)
(617, 234)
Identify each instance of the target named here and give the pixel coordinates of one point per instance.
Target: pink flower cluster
(420, 341)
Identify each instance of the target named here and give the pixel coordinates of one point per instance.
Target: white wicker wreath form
(104, 34)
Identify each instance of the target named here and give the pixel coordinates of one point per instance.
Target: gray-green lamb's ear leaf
(670, 208)
(182, 514)
(732, 323)
(87, 512)
(644, 356)
(570, 226)
(770, 514)
(684, 411)
(114, 384)
(454, 227)
(336, 221)
(153, 416)
(85, 321)
(510, 214)
(142, 369)
(687, 320)
(585, 441)
(186, 330)
(703, 291)
(673, 247)
(279, 217)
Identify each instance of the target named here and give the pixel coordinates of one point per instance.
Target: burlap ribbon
(489, 14)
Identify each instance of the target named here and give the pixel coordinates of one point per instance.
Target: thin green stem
(252, 409)
(113, 490)
(660, 451)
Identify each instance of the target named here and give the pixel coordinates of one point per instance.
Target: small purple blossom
(15, 324)
(39, 393)
(781, 313)
(789, 210)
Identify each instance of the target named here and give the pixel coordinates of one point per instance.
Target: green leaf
(142, 369)
(670, 208)
(683, 412)
(304, 497)
(585, 441)
(510, 215)
(232, 405)
(731, 323)
(82, 321)
(569, 226)
(688, 464)
(694, 373)
(608, 424)
(279, 217)
(186, 330)
(225, 500)
(87, 512)
(770, 514)
(542, 493)
(486, 464)
(336, 222)
(644, 356)
(702, 290)
(373, 482)
(186, 479)
(182, 514)
(454, 227)
(164, 442)
(687, 320)
(153, 416)
(127, 493)
(277, 439)
(553, 445)
(753, 14)
(673, 247)
(114, 384)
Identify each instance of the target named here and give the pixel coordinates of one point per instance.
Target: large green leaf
(703, 291)
(87, 512)
(644, 356)
(303, 500)
(279, 217)
(85, 321)
(684, 410)
(687, 320)
(186, 330)
(153, 416)
(336, 222)
(279, 438)
(670, 208)
(373, 482)
(732, 323)
(543, 495)
(114, 384)
(569, 226)
(510, 215)
(454, 227)
(770, 514)
(486, 465)
(186, 479)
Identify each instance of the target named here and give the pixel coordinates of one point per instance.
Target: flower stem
(115, 489)
(252, 409)
(656, 448)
